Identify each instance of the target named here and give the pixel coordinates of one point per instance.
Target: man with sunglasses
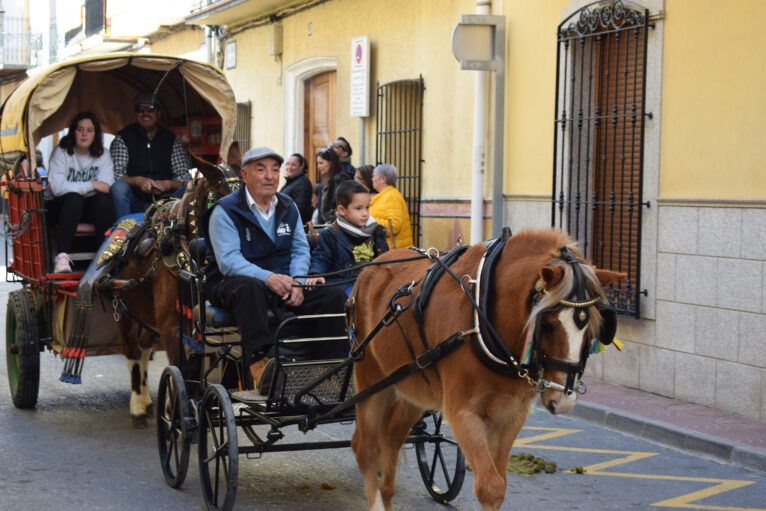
(149, 160)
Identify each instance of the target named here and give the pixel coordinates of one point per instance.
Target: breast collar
(486, 342)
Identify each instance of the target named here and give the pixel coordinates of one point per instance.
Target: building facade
(695, 311)
(633, 125)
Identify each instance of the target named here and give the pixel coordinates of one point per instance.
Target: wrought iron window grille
(599, 139)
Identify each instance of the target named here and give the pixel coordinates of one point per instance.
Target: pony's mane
(564, 288)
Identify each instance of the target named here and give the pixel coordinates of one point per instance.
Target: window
(598, 140)
(242, 130)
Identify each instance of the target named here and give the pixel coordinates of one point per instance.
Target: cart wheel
(440, 460)
(218, 449)
(175, 426)
(22, 351)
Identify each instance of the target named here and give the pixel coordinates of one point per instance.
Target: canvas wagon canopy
(46, 102)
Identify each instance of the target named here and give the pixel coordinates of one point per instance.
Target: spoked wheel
(22, 349)
(175, 426)
(440, 460)
(218, 449)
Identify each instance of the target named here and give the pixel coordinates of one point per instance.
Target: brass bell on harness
(583, 315)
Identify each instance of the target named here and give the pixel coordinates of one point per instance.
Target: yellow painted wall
(530, 94)
(180, 43)
(408, 38)
(713, 106)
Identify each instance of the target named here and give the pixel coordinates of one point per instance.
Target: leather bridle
(491, 349)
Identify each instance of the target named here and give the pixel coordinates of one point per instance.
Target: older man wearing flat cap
(149, 160)
(256, 245)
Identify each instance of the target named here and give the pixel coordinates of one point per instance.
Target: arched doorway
(295, 87)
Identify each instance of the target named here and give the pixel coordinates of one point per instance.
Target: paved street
(77, 450)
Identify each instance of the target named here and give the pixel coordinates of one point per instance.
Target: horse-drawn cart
(63, 312)
(205, 401)
(513, 320)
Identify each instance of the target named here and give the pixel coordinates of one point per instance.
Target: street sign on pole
(478, 43)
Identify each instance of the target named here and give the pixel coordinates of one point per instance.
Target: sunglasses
(145, 108)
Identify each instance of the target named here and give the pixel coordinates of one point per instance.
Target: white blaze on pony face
(575, 335)
(557, 402)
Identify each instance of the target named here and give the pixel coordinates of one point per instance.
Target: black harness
(431, 278)
(486, 342)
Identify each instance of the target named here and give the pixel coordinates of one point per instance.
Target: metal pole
(480, 99)
(498, 217)
(361, 141)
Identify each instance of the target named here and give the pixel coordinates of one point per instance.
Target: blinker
(609, 323)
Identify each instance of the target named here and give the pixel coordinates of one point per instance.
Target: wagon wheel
(22, 350)
(175, 426)
(218, 449)
(440, 460)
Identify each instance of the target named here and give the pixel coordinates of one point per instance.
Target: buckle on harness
(394, 308)
(426, 359)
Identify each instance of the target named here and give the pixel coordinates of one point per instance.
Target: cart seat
(218, 317)
(85, 229)
(215, 317)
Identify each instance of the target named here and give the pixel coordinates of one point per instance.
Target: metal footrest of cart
(297, 376)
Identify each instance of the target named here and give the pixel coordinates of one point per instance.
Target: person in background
(79, 176)
(343, 149)
(149, 160)
(332, 175)
(389, 206)
(364, 175)
(316, 190)
(298, 186)
(353, 238)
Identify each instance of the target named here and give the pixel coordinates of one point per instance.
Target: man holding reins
(256, 245)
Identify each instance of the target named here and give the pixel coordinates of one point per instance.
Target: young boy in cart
(353, 238)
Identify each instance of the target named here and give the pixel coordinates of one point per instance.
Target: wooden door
(319, 117)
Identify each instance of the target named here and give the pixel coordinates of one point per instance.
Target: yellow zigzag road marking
(683, 501)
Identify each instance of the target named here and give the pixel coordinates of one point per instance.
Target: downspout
(209, 41)
(480, 102)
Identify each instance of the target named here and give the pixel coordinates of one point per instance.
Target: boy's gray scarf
(359, 232)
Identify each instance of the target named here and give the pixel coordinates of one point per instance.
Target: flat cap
(145, 98)
(258, 153)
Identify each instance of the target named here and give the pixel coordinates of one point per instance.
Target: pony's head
(218, 181)
(569, 312)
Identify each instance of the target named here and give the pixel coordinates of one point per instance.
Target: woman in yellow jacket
(389, 205)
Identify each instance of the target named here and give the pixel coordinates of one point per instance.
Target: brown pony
(153, 301)
(533, 278)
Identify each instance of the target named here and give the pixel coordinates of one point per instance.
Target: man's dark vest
(148, 158)
(256, 245)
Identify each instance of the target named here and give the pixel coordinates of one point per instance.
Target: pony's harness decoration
(109, 260)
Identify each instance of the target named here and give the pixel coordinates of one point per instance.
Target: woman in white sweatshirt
(79, 176)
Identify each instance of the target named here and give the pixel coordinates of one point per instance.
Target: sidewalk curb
(673, 436)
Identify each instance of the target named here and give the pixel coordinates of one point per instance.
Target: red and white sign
(360, 77)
